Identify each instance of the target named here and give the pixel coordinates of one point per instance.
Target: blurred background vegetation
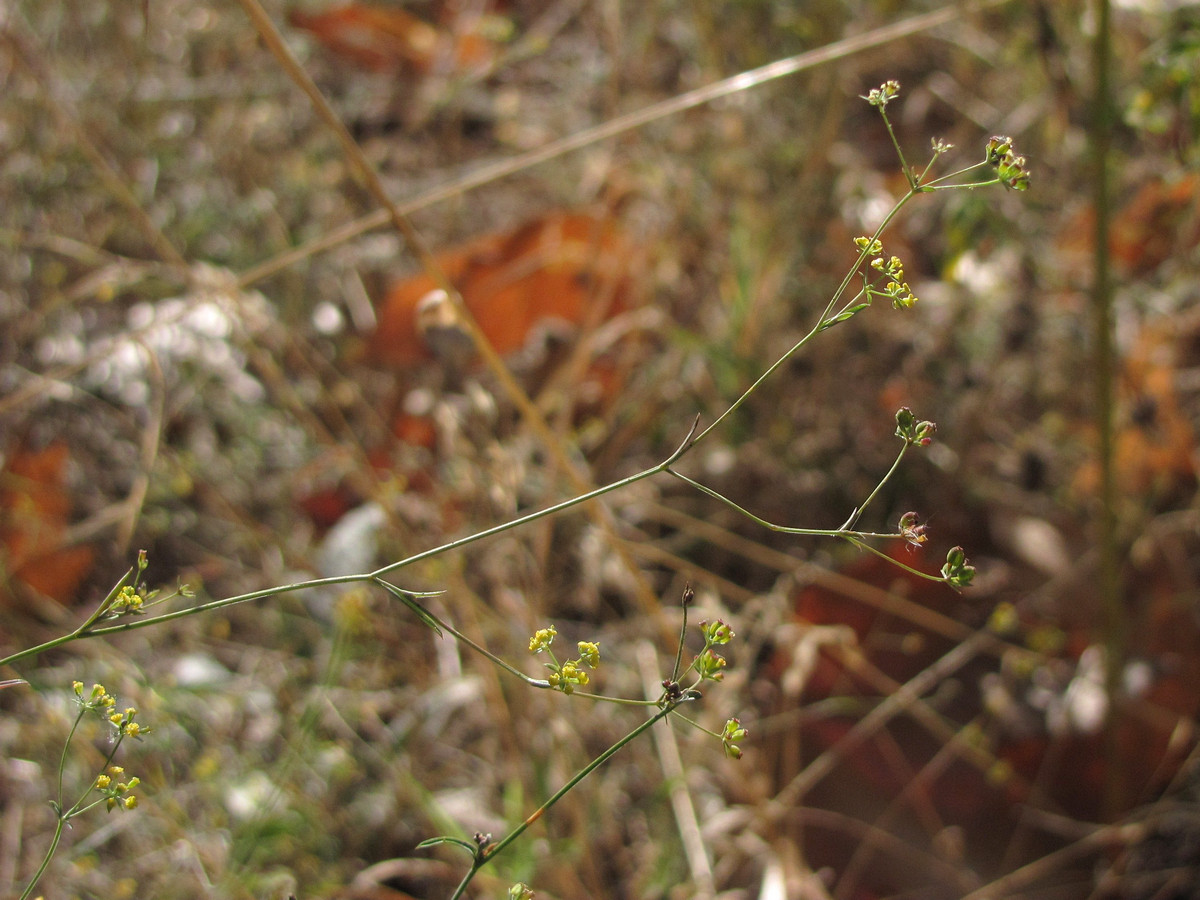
(173, 378)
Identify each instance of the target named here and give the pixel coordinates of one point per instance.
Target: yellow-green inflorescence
(115, 789)
(895, 288)
(568, 675)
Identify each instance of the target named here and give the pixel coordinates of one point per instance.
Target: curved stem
(487, 854)
(50, 851)
(62, 761)
(857, 514)
(863, 545)
(817, 328)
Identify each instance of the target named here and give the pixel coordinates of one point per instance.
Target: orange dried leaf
(35, 509)
(566, 267)
(388, 39)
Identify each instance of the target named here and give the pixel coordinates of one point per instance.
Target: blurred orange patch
(565, 267)
(388, 39)
(35, 508)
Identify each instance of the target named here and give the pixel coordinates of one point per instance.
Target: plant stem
(857, 514)
(816, 329)
(50, 851)
(484, 857)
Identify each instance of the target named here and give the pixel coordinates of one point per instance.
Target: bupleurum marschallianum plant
(874, 275)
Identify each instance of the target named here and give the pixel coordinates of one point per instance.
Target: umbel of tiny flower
(895, 289)
(956, 571)
(542, 639)
(709, 665)
(115, 791)
(881, 96)
(125, 725)
(519, 892)
(1010, 168)
(589, 653)
(568, 675)
(731, 735)
(98, 699)
(127, 601)
(716, 632)
(911, 431)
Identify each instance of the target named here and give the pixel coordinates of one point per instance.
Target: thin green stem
(959, 187)
(816, 329)
(937, 183)
(844, 531)
(59, 825)
(1115, 617)
(908, 172)
(863, 545)
(133, 624)
(698, 726)
(62, 816)
(62, 761)
(624, 701)
(485, 856)
(423, 612)
(682, 633)
(857, 514)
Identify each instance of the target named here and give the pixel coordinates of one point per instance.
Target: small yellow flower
(589, 652)
(542, 638)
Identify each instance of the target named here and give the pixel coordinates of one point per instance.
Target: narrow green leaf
(443, 839)
(843, 315)
(406, 597)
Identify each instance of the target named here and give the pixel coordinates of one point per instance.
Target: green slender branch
(863, 545)
(857, 514)
(59, 824)
(908, 172)
(821, 324)
(844, 531)
(485, 854)
(62, 761)
(134, 623)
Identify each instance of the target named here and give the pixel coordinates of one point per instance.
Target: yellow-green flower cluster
(125, 725)
(102, 702)
(956, 571)
(519, 891)
(589, 652)
(716, 632)
(881, 96)
(732, 734)
(896, 288)
(127, 601)
(117, 792)
(709, 665)
(98, 698)
(568, 675)
(542, 639)
(1010, 167)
